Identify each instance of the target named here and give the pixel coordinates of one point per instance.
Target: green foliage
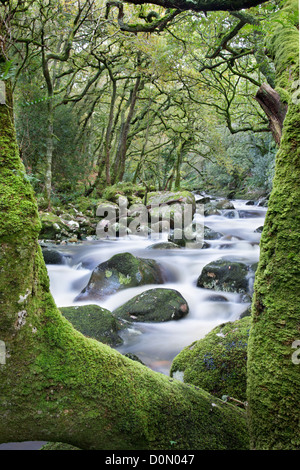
(246, 164)
(8, 70)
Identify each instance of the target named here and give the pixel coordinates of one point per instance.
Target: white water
(156, 344)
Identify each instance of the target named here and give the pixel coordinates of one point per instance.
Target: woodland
(101, 99)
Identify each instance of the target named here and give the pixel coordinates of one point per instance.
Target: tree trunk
(58, 385)
(108, 136)
(122, 148)
(273, 375)
(274, 108)
(179, 155)
(49, 152)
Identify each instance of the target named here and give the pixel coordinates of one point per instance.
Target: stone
(122, 271)
(228, 276)
(95, 322)
(154, 305)
(217, 363)
(52, 256)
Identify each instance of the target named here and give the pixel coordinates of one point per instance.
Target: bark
(108, 136)
(274, 108)
(179, 156)
(58, 385)
(123, 143)
(50, 121)
(273, 376)
(49, 151)
(202, 5)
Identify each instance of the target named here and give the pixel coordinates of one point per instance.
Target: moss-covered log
(56, 384)
(273, 377)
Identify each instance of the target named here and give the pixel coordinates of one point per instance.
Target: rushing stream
(156, 344)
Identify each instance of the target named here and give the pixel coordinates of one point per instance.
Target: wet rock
(246, 313)
(263, 202)
(228, 276)
(203, 200)
(121, 272)
(170, 198)
(169, 207)
(52, 256)
(224, 204)
(210, 209)
(154, 305)
(95, 322)
(210, 234)
(231, 214)
(259, 229)
(216, 298)
(164, 246)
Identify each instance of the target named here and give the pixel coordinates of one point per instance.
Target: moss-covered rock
(217, 363)
(95, 322)
(52, 226)
(228, 276)
(58, 446)
(154, 305)
(171, 197)
(133, 192)
(167, 210)
(121, 272)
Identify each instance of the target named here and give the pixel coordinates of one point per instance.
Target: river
(156, 344)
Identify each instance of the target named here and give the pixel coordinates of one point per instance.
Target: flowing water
(156, 344)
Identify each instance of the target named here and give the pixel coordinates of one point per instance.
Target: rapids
(156, 344)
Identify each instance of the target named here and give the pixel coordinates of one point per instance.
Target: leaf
(7, 70)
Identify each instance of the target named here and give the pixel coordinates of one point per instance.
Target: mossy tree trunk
(273, 377)
(58, 385)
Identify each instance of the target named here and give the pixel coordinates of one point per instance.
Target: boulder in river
(210, 234)
(224, 204)
(170, 206)
(164, 246)
(95, 322)
(228, 276)
(52, 256)
(121, 272)
(218, 362)
(154, 305)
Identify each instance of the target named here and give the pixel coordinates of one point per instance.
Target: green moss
(60, 386)
(282, 42)
(58, 446)
(134, 193)
(154, 305)
(284, 95)
(94, 321)
(217, 363)
(121, 271)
